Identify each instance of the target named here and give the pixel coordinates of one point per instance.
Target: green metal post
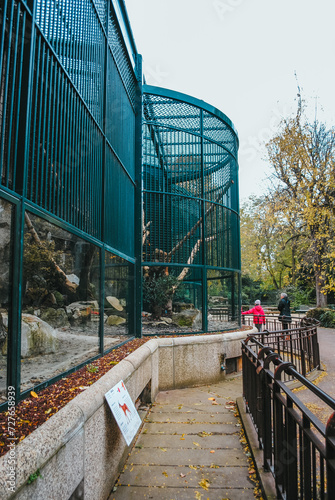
(138, 201)
(203, 229)
(14, 337)
(103, 197)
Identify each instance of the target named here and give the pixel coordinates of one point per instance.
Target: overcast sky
(241, 57)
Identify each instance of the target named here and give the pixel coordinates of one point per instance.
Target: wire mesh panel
(66, 148)
(74, 31)
(67, 88)
(15, 31)
(190, 198)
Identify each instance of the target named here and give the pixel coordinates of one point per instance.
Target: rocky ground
(75, 345)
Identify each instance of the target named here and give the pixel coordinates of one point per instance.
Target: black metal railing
(272, 323)
(298, 345)
(297, 447)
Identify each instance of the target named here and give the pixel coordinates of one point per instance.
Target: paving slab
(199, 417)
(209, 441)
(189, 448)
(171, 476)
(187, 456)
(192, 428)
(185, 493)
(197, 408)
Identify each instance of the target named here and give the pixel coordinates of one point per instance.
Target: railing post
(316, 352)
(291, 453)
(281, 465)
(330, 456)
(267, 422)
(306, 462)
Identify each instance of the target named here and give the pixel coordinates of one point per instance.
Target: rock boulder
(190, 318)
(37, 337)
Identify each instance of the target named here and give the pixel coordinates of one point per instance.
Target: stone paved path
(187, 440)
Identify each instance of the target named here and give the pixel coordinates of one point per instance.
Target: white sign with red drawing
(124, 411)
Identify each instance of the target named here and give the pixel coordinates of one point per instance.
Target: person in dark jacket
(259, 316)
(284, 311)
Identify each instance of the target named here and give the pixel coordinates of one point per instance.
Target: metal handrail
(298, 448)
(298, 344)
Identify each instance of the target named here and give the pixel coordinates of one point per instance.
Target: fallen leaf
(33, 394)
(48, 411)
(211, 399)
(182, 475)
(204, 483)
(192, 467)
(212, 451)
(215, 403)
(204, 433)
(196, 444)
(198, 495)
(165, 474)
(213, 466)
(163, 449)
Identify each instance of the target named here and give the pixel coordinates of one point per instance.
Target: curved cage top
(190, 181)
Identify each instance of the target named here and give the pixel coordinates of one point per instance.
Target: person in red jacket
(259, 316)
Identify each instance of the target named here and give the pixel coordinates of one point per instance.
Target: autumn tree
(302, 156)
(263, 236)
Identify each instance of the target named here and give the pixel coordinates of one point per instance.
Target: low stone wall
(80, 450)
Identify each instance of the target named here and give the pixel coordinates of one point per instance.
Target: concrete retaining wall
(80, 450)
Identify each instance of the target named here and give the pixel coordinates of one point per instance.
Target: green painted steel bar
(203, 228)
(138, 292)
(33, 181)
(44, 121)
(19, 83)
(5, 94)
(3, 31)
(11, 106)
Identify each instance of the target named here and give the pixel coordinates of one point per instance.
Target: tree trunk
(84, 288)
(321, 298)
(70, 287)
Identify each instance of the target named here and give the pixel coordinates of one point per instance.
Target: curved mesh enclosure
(190, 212)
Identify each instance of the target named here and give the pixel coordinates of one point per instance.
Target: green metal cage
(70, 87)
(104, 181)
(190, 207)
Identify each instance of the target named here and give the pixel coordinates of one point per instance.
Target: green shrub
(158, 290)
(327, 319)
(315, 313)
(324, 315)
(298, 296)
